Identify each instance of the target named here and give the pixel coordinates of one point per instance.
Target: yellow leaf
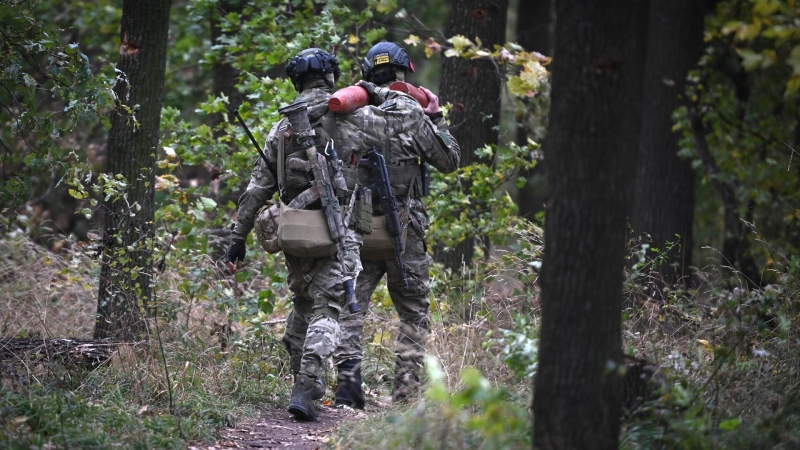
(705, 344)
(450, 52)
(460, 42)
(353, 39)
(412, 40)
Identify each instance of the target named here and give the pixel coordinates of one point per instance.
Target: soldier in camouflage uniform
(404, 152)
(316, 283)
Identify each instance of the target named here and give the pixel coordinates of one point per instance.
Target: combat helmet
(385, 53)
(312, 63)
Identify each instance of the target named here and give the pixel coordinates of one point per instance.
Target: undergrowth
(215, 366)
(728, 353)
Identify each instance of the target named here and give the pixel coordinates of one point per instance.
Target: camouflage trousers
(318, 297)
(412, 306)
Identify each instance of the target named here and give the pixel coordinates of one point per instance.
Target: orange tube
(409, 89)
(347, 100)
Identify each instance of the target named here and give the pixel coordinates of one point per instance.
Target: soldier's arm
(442, 152)
(263, 185)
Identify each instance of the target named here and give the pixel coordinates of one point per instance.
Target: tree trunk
(473, 88)
(663, 203)
(224, 75)
(534, 33)
(126, 271)
(593, 141)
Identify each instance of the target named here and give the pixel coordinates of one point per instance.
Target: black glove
(370, 88)
(236, 251)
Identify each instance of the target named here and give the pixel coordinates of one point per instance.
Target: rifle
(379, 177)
(250, 135)
(298, 118)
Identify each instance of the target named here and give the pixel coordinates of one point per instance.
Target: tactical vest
(297, 171)
(406, 179)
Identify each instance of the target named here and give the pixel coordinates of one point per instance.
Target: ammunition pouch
(379, 245)
(363, 212)
(267, 220)
(298, 179)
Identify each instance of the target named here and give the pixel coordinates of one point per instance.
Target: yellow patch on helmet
(381, 58)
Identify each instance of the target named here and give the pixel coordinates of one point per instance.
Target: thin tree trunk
(735, 246)
(224, 75)
(664, 201)
(593, 141)
(126, 271)
(534, 33)
(473, 88)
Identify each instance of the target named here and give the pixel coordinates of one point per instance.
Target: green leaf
(730, 424)
(794, 60)
(207, 204)
(750, 59)
(765, 8)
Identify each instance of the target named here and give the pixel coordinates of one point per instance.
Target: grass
(731, 357)
(127, 401)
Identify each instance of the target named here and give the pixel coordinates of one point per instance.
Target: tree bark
(126, 267)
(664, 200)
(534, 33)
(593, 141)
(473, 88)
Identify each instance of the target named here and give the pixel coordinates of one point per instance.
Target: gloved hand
(370, 88)
(433, 102)
(236, 252)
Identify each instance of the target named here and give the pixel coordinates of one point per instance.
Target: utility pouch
(304, 233)
(363, 211)
(378, 245)
(267, 220)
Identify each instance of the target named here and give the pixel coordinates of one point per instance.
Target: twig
(793, 152)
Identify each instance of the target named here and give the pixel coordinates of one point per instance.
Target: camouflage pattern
(316, 283)
(355, 133)
(431, 143)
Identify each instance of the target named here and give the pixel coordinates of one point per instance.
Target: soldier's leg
(350, 352)
(413, 307)
(327, 291)
(295, 335)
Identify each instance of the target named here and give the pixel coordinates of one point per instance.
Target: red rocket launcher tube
(349, 99)
(409, 89)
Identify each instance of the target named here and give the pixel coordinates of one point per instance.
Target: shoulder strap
(281, 143)
(329, 125)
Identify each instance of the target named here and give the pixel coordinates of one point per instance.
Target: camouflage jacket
(355, 133)
(431, 143)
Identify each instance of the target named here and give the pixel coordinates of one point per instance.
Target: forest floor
(275, 428)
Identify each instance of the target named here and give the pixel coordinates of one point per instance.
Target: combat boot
(348, 391)
(306, 389)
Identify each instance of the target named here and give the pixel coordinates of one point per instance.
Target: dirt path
(276, 428)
